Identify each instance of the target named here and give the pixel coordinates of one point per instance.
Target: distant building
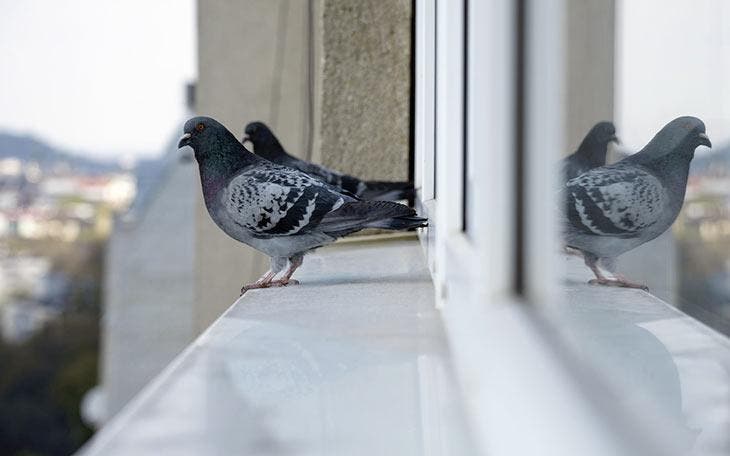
(116, 190)
(11, 167)
(21, 318)
(148, 309)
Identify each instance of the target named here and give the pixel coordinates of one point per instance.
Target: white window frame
(522, 395)
(425, 158)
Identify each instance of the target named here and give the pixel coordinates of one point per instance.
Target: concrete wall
(340, 72)
(590, 64)
(148, 302)
(364, 80)
(252, 65)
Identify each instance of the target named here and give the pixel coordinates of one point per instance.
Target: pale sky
(107, 77)
(673, 59)
(99, 76)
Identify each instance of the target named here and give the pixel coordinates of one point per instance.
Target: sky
(101, 77)
(107, 77)
(672, 59)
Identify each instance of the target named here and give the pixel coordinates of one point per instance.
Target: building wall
(338, 70)
(590, 47)
(364, 80)
(148, 301)
(252, 65)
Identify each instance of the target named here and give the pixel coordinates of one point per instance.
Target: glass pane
(645, 98)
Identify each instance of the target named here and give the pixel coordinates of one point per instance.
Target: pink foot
(271, 284)
(618, 282)
(255, 285)
(284, 282)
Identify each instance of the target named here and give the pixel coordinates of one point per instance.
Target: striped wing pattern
(274, 200)
(615, 200)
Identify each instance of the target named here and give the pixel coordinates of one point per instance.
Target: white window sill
(669, 367)
(355, 361)
(352, 361)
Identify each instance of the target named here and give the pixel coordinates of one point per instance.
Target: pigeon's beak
(615, 139)
(705, 140)
(184, 141)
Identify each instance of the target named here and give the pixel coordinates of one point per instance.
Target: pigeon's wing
(615, 200)
(317, 171)
(350, 184)
(571, 168)
(275, 201)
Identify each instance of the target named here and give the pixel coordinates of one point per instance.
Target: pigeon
(278, 210)
(613, 209)
(592, 151)
(591, 154)
(266, 145)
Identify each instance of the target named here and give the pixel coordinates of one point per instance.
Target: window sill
(352, 361)
(662, 365)
(355, 361)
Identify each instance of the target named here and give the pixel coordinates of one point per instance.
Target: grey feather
(591, 152)
(621, 200)
(266, 145)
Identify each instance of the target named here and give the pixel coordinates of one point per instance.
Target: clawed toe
(284, 282)
(272, 284)
(618, 283)
(255, 285)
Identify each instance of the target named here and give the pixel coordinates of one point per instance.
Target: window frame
(513, 372)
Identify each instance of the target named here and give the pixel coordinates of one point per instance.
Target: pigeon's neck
(217, 169)
(591, 153)
(673, 171)
(272, 150)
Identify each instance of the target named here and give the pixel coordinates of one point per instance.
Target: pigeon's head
(202, 133)
(603, 133)
(263, 139)
(595, 142)
(682, 135)
(256, 131)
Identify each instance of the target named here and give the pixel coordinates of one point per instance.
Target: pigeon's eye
(200, 127)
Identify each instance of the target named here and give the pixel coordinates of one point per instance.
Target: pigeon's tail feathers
(400, 223)
(388, 191)
(357, 215)
(365, 211)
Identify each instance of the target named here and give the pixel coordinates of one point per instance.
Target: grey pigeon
(277, 210)
(613, 209)
(266, 145)
(592, 151)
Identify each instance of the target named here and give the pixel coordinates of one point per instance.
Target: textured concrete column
(252, 65)
(363, 87)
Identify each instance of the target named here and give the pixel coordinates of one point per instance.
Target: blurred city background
(91, 95)
(92, 98)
